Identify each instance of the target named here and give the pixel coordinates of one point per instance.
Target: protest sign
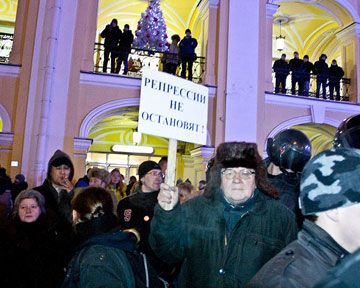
(172, 107)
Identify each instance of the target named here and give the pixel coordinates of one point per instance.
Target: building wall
(54, 91)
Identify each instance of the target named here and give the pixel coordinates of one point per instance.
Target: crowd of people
(118, 44)
(302, 69)
(287, 221)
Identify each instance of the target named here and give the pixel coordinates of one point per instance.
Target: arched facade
(239, 108)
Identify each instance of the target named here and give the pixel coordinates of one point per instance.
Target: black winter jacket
(112, 36)
(302, 263)
(344, 275)
(281, 68)
(126, 41)
(321, 69)
(195, 233)
(335, 74)
(295, 66)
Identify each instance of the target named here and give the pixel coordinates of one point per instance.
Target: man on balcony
(322, 71)
(112, 34)
(335, 75)
(307, 68)
(295, 66)
(187, 50)
(126, 41)
(281, 69)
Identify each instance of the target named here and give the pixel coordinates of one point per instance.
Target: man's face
(29, 210)
(152, 180)
(283, 57)
(96, 182)
(238, 184)
(59, 174)
(296, 56)
(306, 60)
(349, 218)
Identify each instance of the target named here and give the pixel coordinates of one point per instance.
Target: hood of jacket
(63, 158)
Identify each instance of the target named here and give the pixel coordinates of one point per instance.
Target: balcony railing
(6, 43)
(140, 59)
(345, 87)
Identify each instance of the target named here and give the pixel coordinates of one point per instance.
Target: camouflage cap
(330, 180)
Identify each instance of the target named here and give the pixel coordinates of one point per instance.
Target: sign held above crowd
(174, 108)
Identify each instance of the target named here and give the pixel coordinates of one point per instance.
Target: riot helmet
(289, 149)
(348, 133)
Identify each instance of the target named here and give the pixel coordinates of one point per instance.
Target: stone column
(270, 11)
(200, 157)
(81, 148)
(208, 12)
(350, 57)
(245, 84)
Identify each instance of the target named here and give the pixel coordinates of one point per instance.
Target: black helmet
(289, 149)
(348, 133)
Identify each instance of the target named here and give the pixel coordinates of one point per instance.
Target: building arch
(6, 121)
(297, 121)
(103, 111)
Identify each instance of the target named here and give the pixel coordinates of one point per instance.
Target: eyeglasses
(244, 173)
(156, 173)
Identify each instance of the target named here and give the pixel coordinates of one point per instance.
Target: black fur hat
(237, 154)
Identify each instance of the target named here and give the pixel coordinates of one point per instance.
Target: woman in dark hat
(225, 236)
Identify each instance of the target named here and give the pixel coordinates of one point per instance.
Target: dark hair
(239, 152)
(127, 26)
(312, 218)
(114, 21)
(101, 174)
(187, 30)
(283, 55)
(175, 37)
(306, 56)
(92, 202)
(186, 186)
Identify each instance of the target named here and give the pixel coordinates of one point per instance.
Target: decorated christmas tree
(151, 31)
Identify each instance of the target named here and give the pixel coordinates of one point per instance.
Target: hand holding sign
(168, 197)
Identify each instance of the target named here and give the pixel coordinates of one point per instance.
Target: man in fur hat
(224, 236)
(57, 188)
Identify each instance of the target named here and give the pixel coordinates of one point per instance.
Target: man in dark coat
(112, 34)
(330, 200)
(137, 210)
(307, 68)
(321, 69)
(187, 51)
(222, 238)
(335, 75)
(124, 49)
(295, 66)
(57, 187)
(281, 69)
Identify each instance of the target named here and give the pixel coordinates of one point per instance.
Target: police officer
(288, 153)
(330, 200)
(348, 133)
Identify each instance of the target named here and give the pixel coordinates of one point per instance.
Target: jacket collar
(327, 248)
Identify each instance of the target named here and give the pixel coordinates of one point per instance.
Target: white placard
(172, 107)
